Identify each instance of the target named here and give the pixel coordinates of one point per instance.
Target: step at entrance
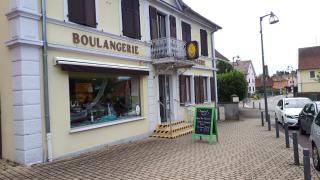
(178, 128)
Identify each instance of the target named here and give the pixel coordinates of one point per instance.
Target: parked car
(288, 109)
(315, 141)
(307, 115)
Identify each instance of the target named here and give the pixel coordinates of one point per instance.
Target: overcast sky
(299, 26)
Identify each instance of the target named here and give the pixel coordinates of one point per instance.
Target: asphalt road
(248, 113)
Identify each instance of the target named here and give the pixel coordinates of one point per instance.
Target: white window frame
(188, 89)
(66, 12)
(314, 74)
(205, 89)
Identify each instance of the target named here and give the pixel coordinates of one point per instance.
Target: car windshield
(296, 103)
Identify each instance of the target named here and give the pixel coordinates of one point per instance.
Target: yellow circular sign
(192, 50)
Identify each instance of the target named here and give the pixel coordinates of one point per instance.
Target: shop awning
(80, 65)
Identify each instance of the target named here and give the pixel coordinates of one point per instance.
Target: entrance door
(164, 97)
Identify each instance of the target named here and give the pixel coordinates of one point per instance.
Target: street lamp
(290, 69)
(273, 19)
(235, 57)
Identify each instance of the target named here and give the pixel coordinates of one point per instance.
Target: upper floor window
(186, 32)
(312, 74)
(131, 18)
(82, 12)
(204, 42)
(158, 24)
(161, 25)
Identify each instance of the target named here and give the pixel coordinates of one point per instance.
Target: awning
(80, 65)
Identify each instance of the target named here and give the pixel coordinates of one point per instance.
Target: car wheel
(315, 157)
(302, 131)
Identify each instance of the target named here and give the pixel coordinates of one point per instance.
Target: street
(248, 112)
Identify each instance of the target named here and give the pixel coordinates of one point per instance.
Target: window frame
(205, 89)
(314, 74)
(66, 13)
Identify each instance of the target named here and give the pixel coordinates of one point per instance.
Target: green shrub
(232, 82)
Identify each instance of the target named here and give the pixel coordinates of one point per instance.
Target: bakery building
(76, 75)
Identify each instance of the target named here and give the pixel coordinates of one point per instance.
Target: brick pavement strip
(245, 151)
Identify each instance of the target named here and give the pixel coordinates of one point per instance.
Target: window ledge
(100, 125)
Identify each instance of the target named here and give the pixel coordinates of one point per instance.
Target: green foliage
(223, 67)
(232, 82)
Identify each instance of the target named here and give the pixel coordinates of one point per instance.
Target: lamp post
(290, 69)
(273, 19)
(235, 57)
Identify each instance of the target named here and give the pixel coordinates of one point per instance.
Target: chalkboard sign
(205, 123)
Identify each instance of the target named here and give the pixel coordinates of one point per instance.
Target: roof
(259, 82)
(243, 66)
(220, 56)
(186, 8)
(309, 58)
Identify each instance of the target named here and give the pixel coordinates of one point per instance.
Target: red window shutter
(213, 90)
(131, 18)
(196, 90)
(153, 22)
(182, 85)
(136, 19)
(204, 42)
(201, 88)
(90, 12)
(173, 27)
(76, 11)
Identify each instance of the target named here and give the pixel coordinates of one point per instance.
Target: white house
(247, 68)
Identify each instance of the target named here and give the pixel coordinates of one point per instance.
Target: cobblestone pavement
(245, 151)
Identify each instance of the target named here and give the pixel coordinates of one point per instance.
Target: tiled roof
(259, 82)
(242, 66)
(309, 58)
(220, 56)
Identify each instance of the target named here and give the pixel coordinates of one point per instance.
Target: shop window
(200, 89)
(100, 98)
(131, 18)
(82, 12)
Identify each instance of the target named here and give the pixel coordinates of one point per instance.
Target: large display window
(99, 98)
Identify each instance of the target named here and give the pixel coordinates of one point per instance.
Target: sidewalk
(245, 151)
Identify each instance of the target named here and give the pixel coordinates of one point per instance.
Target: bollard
(269, 122)
(253, 105)
(243, 104)
(277, 128)
(262, 121)
(286, 132)
(306, 166)
(259, 106)
(295, 148)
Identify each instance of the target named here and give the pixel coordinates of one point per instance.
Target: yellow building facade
(79, 75)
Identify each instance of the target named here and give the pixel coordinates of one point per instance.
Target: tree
(223, 67)
(230, 83)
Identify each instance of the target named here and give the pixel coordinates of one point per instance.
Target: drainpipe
(213, 54)
(45, 80)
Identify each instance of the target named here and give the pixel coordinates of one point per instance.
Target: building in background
(308, 72)
(247, 68)
(97, 73)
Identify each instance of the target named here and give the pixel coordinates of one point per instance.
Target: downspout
(213, 54)
(45, 81)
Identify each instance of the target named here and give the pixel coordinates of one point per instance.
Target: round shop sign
(138, 110)
(192, 50)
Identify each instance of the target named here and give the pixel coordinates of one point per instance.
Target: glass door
(164, 97)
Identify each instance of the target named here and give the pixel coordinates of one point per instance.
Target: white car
(288, 110)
